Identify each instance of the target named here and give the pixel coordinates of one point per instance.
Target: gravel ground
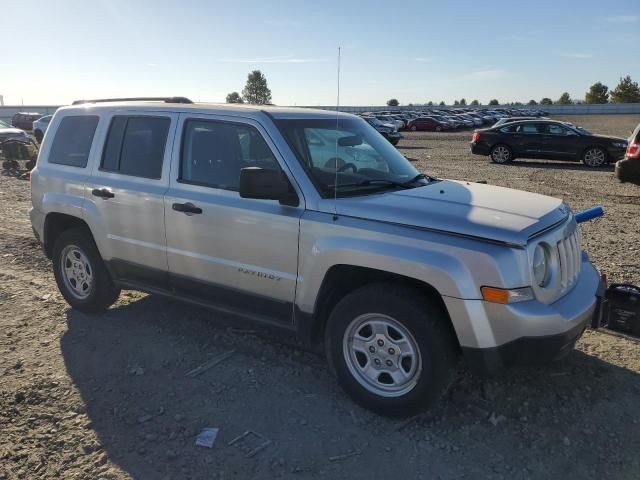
(107, 397)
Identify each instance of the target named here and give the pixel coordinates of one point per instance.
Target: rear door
(125, 195)
(238, 254)
(527, 137)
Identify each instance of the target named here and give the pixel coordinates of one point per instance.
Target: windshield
(364, 159)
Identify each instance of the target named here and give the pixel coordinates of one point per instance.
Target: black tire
(103, 292)
(39, 135)
(438, 128)
(394, 142)
(501, 154)
(413, 128)
(428, 326)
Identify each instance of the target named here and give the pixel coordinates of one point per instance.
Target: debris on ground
(207, 437)
(251, 443)
(210, 364)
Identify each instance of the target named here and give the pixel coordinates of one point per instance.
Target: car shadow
(130, 363)
(560, 165)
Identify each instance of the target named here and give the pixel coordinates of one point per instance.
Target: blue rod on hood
(589, 214)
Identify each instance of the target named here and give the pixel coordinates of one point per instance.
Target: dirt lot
(107, 397)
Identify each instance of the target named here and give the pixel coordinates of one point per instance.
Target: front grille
(569, 255)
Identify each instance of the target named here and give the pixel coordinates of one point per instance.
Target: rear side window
(135, 146)
(73, 139)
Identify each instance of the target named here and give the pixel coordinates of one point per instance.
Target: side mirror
(265, 184)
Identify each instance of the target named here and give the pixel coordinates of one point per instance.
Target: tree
(234, 97)
(442, 104)
(546, 101)
(256, 90)
(430, 103)
(456, 102)
(627, 91)
(565, 99)
(494, 102)
(598, 93)
(532, 102)
(393, 102)
(475, 102)
(463, 101)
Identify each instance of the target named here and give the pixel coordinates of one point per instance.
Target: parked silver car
(312, 222)
(40, 127)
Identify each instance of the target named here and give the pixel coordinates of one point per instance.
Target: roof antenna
(335, 181)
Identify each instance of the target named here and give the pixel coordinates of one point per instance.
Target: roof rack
(136, 99)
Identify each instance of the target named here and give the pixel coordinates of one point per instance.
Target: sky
(54, 52)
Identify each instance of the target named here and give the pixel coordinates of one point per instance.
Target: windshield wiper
(419, 176)
(371, 182)
(382, 182)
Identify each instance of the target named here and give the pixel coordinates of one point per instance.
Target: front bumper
(628, 170)
(493, 336)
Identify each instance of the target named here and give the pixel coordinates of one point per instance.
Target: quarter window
(73, 139)
(213, 153)
(135, 146)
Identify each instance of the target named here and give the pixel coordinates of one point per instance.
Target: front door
(558, 142)
(235, 253)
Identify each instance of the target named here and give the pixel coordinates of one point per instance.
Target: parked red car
(427, 123)
(24, 120)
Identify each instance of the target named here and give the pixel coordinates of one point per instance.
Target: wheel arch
(55, 224)
(343, 279)
(599, 147)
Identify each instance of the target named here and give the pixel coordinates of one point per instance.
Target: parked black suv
(546, 139)
(628, 170)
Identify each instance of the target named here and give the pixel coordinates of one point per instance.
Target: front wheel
(438, 128)
(80, 272)
(392, 349)
(594, 157)
(413, 128)
(501, 154)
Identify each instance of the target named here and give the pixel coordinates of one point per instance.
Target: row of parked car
(438, 120)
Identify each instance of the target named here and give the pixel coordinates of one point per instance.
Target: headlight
(541, 265)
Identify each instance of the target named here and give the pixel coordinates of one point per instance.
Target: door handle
(188, 208)
(102, 193)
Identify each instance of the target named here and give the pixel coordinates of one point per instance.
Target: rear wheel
(594, 157)
(501, 154)
(391, 348)
(80, 272)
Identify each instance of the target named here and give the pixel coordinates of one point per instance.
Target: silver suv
(312, 222)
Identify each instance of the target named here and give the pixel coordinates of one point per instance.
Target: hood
(608, 137)
(464, 208)
(12, 131)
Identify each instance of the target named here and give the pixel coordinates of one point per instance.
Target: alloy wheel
(594, 157)
(501, 154)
